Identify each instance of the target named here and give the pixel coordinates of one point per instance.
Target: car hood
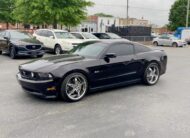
(77, 41)
(49, 64)
(25, 41)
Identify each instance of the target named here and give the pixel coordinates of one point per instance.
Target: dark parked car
(92, 66)
(18, 43)
(107, 36)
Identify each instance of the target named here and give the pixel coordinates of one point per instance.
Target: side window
(122, 49)
(79, 36)
(104, 36)
(39, 32)
(45, 33)
(49, 33)
(141, 49)
(2, 34)
(7, 34)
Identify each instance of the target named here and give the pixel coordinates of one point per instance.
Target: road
(137, 111)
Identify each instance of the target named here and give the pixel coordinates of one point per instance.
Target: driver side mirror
(110, 55)
(6, 38)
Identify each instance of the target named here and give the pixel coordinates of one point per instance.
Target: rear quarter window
(141, 49)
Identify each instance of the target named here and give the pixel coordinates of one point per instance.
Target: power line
(136, 7)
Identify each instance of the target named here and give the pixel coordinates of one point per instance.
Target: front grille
(33, 47)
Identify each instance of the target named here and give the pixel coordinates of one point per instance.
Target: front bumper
(30, 53)
(182, 44)
(45, 89)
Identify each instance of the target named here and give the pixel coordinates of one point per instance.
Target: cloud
(156, 11)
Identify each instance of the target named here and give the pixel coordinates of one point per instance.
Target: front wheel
(12, 53)
(74, 87)
(155, 43)
(174, 45)
(1, 52)
(151, 74)
(58, 50)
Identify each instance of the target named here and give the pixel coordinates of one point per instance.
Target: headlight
(45, 76)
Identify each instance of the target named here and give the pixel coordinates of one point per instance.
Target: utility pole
(187, 17)
(127, 12)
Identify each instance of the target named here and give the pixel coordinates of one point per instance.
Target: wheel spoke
(71, 85)
(72, 92)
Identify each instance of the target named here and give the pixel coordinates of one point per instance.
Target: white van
(185, 35)
(57, 40)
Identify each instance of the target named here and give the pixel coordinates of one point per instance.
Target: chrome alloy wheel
(152, 74)
(76, 87)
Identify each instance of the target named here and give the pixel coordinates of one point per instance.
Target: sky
(156, 11)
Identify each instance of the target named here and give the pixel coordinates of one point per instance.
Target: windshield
(174, 38)
(90, 49)
(89, 36)
(19, 35)
(64, 35)
(114, 36)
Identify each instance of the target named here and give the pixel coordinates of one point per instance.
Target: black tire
(174, 44)
(147, 72)
(12, 52)
(64, 88)
(58, 50)
(1, 52)
(40, 56)
(155, 43)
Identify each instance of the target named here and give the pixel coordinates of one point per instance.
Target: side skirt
(115, 85)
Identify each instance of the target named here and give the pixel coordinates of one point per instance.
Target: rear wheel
(58, 50)
(12, 52)
(155, 43)
(1, 52)
(151, 74)
(74, 87)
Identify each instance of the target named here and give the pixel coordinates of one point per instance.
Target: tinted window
(49, 33)
(89, 36)
(122, 49)
(102, 36)
(89, 50)
(140, 49)
(114, 36)
(2, 34)
(7, 34)
(19, 35)
(64, 35)
(79, 36)
(40, 32)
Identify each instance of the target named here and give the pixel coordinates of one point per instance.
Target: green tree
(6, 9)
(103, 15)
(64, 12)
(177, 15)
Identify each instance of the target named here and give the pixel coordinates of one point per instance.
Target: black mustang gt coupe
(18, 43)
(92, 66)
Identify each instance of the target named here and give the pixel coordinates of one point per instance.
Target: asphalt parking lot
(160, 111)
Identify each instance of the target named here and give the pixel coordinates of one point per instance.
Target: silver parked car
(168, 40)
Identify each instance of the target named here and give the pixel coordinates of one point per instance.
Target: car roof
(54, 30)
(113, 41)
(98, 33)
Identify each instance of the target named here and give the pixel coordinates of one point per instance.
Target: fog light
(51, 89)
